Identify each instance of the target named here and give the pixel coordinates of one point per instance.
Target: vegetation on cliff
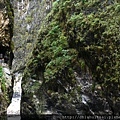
(79, 36)
(6, 33)
(3, 88)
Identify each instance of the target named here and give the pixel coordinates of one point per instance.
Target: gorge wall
(67, 52)
(6, 55)
(72, 68)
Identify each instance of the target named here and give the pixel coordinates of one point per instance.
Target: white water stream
(13, 111)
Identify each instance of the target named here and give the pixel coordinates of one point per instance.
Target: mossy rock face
(76, 35)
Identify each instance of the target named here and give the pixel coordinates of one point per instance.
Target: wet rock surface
(83, 103)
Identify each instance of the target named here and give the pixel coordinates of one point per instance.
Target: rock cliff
(6, 50)
(74, 67)
(69, 57)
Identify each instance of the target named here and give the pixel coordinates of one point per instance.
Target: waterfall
(13, 110)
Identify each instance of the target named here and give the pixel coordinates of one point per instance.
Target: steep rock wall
(79, 37)
(6, 47)
(28, 16)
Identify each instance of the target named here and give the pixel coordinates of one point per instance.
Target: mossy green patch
(84, 32)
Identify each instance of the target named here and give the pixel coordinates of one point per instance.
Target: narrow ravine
(68, 55)
(13, 110)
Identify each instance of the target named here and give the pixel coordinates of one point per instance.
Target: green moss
(84, 32)
(3, 85)
(2, 80)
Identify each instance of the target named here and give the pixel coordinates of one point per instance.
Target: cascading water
(13, 110)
